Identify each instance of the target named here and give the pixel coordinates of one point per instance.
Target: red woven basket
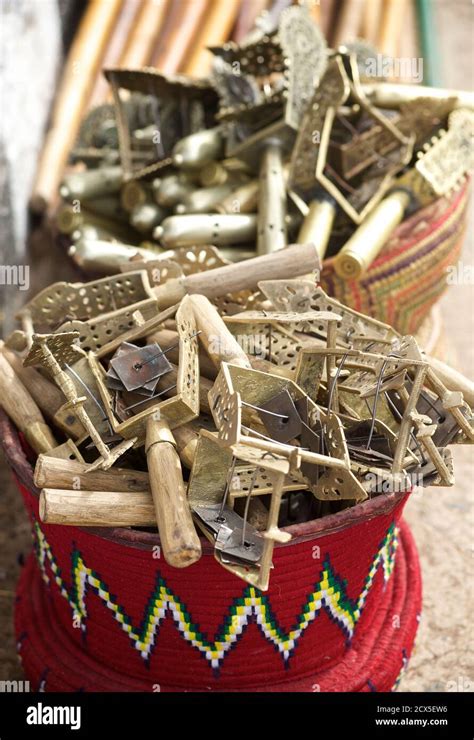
(98, 611)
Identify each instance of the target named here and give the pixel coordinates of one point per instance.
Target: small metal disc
(138, 367)
(286, 425)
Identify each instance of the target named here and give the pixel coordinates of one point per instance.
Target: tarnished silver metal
(196, 150)
(91, 183)
(174, 105)
(146, 216)
(104, 257)
(204, 200)
(136, 367)
(199, 228)
(265, 103)
(171, 189)
(271, 225)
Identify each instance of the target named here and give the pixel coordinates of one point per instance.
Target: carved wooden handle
(179, 540)
(219, 342)
(22, 410)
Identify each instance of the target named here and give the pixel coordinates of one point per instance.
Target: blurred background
(52, 47)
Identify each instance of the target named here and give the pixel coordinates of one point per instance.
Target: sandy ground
(441, 519)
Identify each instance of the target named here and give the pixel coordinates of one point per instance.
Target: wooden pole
(393, 17)
(122, 30)
(299, 259)
(184, 24)
(147, 26)
(114, 508)
(219, 343)
(215, 29)
(48, 396)
(77, 79)
(249, 12)
(349, 21)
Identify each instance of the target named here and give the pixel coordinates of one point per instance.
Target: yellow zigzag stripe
(329, 592)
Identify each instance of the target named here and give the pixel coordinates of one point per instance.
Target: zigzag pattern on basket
(329, 593)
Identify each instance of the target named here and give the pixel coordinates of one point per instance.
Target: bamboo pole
(326, 17)
(74, 89)
(314, 7)
(408, 47)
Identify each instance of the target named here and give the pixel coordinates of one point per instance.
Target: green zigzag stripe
(329, 593)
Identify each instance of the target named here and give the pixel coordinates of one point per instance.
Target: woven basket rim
(437, 208)
(363, 512)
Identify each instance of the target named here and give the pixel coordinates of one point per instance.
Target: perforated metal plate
(99, 331)
(83, 301)
(450, 155)
(302, 296)
(235, 385)
(267, 340)
(305, 53)
(64, 346)
(176, 410)
(207, 486)
(333, 90)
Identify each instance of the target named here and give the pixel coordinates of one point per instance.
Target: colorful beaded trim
(329, 593)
